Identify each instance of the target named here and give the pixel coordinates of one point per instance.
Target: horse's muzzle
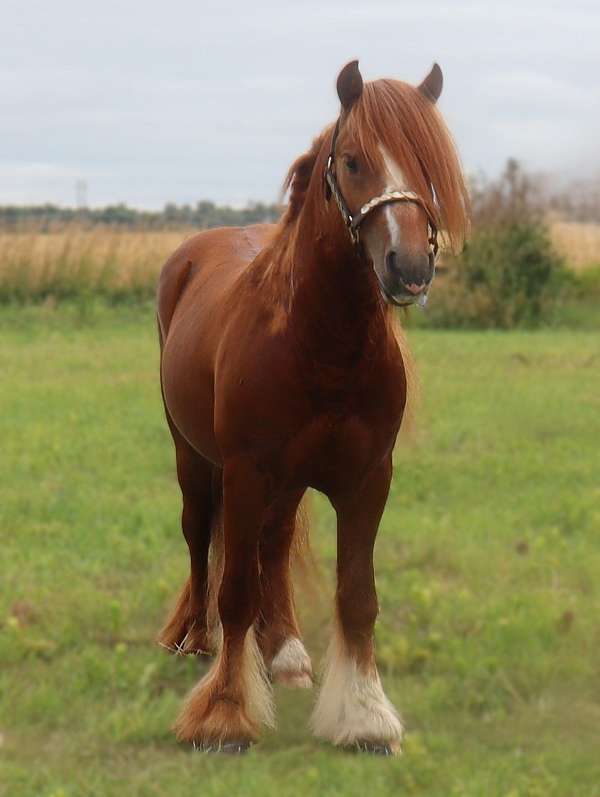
(407, 277)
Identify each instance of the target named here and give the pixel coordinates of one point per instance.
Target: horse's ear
(433, 84)
(349, 85)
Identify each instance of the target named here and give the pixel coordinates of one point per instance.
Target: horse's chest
(334, 450)
(348, 428)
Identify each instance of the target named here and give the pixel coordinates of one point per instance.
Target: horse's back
(207, 265)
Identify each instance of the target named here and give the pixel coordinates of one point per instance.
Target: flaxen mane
(299, 174)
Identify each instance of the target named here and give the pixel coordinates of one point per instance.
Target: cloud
(154, 102)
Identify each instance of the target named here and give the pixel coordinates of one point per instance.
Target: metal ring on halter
(353, 222)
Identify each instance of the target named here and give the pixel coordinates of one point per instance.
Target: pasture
(487, 570)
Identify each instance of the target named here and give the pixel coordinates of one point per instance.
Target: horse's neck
(335, 309)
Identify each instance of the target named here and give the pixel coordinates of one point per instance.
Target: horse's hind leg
(186, 629)
(279, 635)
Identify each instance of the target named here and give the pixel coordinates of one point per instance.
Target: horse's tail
(302, 560)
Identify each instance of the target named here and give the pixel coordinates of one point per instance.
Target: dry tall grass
(121, 263)
(578, 242)
(72, 261)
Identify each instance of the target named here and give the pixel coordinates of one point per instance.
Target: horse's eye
(351, 164)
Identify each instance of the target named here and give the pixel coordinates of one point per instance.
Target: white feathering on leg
(258, 689)
(352, 705)
(291, 666)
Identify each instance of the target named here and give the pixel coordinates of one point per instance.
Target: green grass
(487, 564)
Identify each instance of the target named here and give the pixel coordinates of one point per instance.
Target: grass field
(487, 565)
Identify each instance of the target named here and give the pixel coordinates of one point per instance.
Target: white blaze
(394, 181)
(393, 227)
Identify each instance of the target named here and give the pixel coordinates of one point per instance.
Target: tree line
(515, 192)
(201, 215)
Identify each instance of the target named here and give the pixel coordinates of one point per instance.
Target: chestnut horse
(280, 371)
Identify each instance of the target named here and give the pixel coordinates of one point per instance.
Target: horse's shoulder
(206, 250)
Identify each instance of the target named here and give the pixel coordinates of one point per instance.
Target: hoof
(375, 748)
(225, 748)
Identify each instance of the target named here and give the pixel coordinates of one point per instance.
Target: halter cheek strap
(353, 221)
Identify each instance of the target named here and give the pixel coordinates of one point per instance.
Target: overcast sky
(156, 101)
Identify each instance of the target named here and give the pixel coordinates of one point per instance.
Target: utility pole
(81, 194)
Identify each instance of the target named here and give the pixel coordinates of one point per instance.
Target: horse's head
(396, 178)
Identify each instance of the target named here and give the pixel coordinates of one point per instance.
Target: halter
(353, 221)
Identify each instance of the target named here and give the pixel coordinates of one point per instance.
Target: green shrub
(507, 276)
(587, 284)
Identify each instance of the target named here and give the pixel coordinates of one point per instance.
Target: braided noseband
(353, 221)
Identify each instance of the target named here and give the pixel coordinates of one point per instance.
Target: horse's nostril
(391, 260)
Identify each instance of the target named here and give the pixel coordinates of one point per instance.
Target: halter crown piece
(353, 221)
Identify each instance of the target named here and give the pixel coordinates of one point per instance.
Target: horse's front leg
(352, 709)
(226, 708)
